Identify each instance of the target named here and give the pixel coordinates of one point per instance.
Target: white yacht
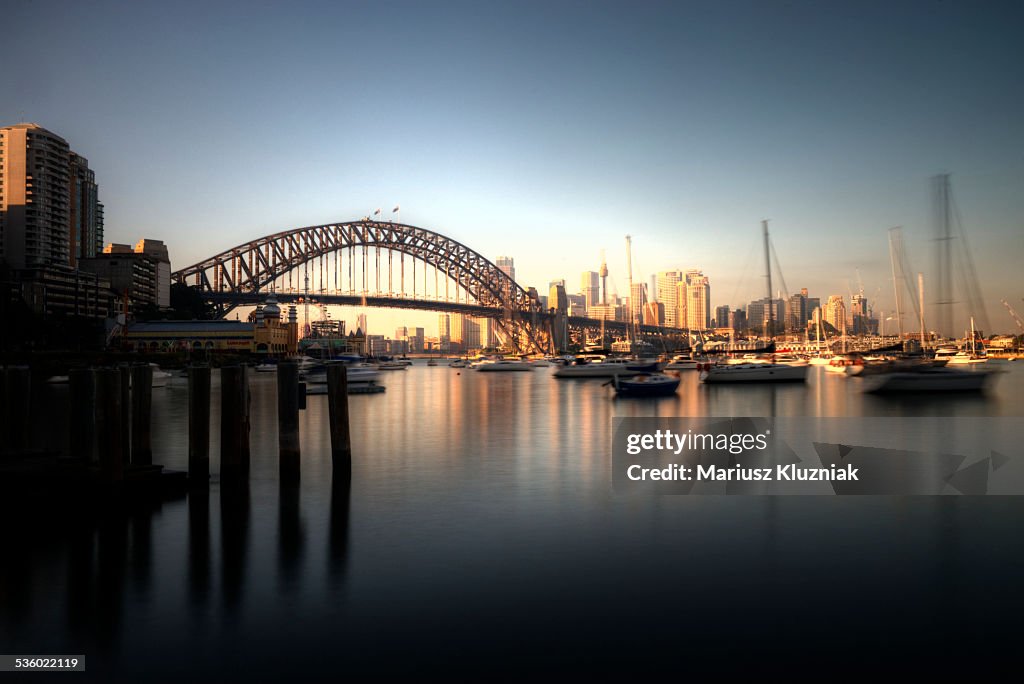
(599, 368)
(754, 372)
(502, 365)
(929, 380)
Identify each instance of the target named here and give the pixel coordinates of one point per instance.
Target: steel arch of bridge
(254, 266)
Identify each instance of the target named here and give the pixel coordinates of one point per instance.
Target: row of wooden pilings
(111, 410)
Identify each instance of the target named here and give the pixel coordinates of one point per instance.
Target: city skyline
(523, 131)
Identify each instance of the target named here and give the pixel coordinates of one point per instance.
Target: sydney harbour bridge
(385, 264)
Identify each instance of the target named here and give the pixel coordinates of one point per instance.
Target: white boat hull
(928, 381)
(503, 366)
(755, 372)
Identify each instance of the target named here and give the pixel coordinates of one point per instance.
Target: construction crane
(1016, 318)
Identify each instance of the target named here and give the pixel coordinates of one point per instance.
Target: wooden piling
(142, 407)
(126, 412)
(82, 390)
(108, 424)
(199, 426)
(288, 419)
(19, 399)
(234, 423)
(337, 401)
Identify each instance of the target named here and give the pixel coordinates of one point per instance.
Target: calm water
(479, 537)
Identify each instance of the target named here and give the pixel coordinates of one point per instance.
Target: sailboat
(969, 353)
(755, 371)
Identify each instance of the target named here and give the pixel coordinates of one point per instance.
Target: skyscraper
(721, 316)
(637, 300)
(835, 312)
(361, 324)
(668, 294)
(35, 197)
(698, 301)
(86, 213)
(590, 288)
(506, 265)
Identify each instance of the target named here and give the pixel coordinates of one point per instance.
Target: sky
(547, 131)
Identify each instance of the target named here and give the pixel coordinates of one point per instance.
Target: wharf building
(264, 334)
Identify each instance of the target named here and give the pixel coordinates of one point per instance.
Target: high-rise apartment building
(835, 312)
(85, 232)
(681, 304)
(698, 301)
(35, 197)
(668, 294)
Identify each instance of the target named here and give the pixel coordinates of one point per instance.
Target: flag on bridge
(395, 209)
(377, 213)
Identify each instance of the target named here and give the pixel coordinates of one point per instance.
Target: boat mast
(895, 287)
(768, 272)
(633, 306)
(920, 296)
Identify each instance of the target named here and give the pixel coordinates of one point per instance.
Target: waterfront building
(156, 250)
(35, 197)
(62, 290)
(85, 231)
(132, 275)
(668, 294)
(444, 326)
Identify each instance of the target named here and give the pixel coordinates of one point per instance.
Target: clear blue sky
(547, 131)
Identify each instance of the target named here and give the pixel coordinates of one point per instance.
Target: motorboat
(356, 373)
(540, 363)
(457, 363)
(266, 367)
(839, 364)
(645, 385)
(432, 362)
(597, 368)
(754, 372)
(929, 380)
(501, 365)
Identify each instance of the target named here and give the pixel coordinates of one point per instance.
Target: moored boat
(601, 368)
(929, 380)
(646, 385)
(754, 372)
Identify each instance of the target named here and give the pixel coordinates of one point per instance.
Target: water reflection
(473, 496)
